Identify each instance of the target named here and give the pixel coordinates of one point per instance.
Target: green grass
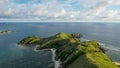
(30, 40)
(92, 60)
(56, 41)
(101, 60)
(82, 62)
(72, 52)
(88, 55)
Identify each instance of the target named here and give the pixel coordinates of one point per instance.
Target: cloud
(110, 14)
(98, 8)
(116, 2)
(3, 3)
(59, 10)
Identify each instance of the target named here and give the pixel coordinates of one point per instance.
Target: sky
(60, 10)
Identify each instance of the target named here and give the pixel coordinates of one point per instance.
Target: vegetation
(57, 41)
(30, 40)
(72, 52)
(6, 32)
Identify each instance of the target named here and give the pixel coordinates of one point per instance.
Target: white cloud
(98, 8)
(3, 3)
(59, 14)
(111, 13)
(40, 10)
(54, 9)
(9, 12)
(116, 2)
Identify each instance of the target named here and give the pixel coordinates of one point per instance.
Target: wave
(56, 62)
(17, 46)
(83, 39)
(109, 47)
(105, 45)
(36, 48)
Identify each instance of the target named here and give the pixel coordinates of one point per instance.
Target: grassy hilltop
(72, 52)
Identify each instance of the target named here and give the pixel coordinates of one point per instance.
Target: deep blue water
(16, 56)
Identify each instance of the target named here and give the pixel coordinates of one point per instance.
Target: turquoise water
(16, 56)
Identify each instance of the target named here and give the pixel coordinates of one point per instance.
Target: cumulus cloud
(59, 10)
(116, 2)
(109, 14)
(98, 8)
(3, 2)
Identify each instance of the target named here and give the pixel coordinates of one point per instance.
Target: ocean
(18, 56)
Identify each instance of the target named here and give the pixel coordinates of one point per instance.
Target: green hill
(74, 53)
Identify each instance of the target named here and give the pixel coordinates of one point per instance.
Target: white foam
(105, 46)
(113, 48)
(20, 46)
(109, 47)
(83, 39)
(102, 44)
(35, 49)
(117, 63)
(57, 62)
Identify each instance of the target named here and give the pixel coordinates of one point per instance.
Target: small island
(71, 52)
(3, 32)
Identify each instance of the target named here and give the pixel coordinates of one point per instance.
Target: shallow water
(16, 56)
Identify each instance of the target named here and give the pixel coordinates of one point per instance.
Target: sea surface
(17, 56)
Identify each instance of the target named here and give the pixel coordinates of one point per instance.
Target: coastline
(117, 63)
(71, 51)
(57, 63)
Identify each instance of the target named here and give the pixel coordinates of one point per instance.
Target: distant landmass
(71, 52)
(3, 32)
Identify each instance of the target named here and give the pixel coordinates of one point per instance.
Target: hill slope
(74, 53)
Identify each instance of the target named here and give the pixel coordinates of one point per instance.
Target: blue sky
(60, 10)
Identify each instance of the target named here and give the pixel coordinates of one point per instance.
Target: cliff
(74, 53)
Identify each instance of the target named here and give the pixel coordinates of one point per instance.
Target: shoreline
(57, 63)
(117, 63)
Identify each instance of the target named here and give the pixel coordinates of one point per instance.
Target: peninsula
(72, 52)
